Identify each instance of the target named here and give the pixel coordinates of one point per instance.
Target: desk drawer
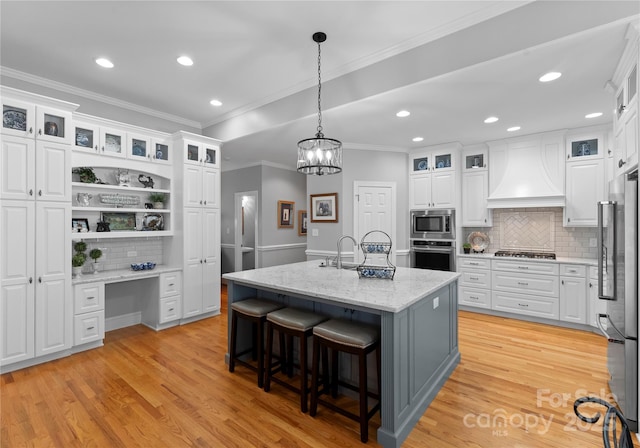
(88, 297)
(170, 309)
(88, 327)
(170, 283)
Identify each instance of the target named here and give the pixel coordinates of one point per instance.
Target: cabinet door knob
(608, 151)
(103, 149)
(205, 202)
(621, 162)
(200, 261)
(96, 148)
(200, 201)
(590, 285)
(39, 131)
(30, 280)
(30, 130)
(39, 192)
(568, 156)
(31, 192)
(485, 220)
(562, 281)
(39, 279)
(568, 219)
(205, 260)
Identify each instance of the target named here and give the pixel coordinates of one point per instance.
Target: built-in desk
(115, 299)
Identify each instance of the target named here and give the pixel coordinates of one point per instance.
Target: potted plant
(78, 259)
(95, 254)
(157, 199)
(466, 247)
(85, 174)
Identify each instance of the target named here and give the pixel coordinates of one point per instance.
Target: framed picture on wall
(324, 207)
(79, 225)
(302, 222)
(285, 214)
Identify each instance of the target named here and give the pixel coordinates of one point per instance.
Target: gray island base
(417, 313)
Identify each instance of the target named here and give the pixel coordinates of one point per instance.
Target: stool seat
(347, 333)
(295, 319)
(255, 307)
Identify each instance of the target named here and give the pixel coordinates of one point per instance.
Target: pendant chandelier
(319, 155)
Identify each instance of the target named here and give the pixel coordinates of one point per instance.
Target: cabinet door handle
(524, 305)
(200, 261)
(621, 162)
(31, 130)
(31, 192)
(608, 151)
(39, 131)
(170, 284)
(91, 298)
(170, 309)
(474, 278)
(96, 148)
(39, 279)
(91, 327)
(30, 280)
(523, 267)
(562, 281)
(473, 263)
(205, 202)
(523, 283)
(590, 285)
(485, 220)
(205, 260)
(39, 192)
(103, 149)
(473, 298)
(200, 201)
(568, 156)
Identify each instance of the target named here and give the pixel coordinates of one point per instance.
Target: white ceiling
(451, 63)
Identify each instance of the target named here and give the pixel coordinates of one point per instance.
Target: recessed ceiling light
(513, 129)
(215, 103)
(551, 76)
(185, 60)
(403, 113)
(104, 62)
(593, 115)
(491, 120)
(417, 139)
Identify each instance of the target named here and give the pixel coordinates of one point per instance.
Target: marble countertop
(344, 286)
(122, 275)
(585, 261)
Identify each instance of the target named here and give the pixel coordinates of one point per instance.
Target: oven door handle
(432, 251)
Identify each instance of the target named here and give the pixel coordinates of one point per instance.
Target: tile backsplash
(536, 229)
(118, 253)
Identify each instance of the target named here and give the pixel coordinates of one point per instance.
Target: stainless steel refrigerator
(618, 286)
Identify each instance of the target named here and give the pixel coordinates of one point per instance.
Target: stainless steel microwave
(433, 224)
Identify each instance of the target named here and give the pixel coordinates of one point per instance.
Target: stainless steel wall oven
(436, 255)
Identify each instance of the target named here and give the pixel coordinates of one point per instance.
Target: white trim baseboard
(275, 247)
(125, 320)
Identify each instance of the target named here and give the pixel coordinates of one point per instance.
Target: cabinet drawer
(545, 285)
(573, 270)
(88, 297)
(475, 297)
(88, 327)
(525, 266)
(524, 304)
(478, 279)
(474, 263)
(170, 309)
(170, 284)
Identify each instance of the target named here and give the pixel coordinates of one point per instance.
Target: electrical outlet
(132, 253)
(314, 232)
(593, 242)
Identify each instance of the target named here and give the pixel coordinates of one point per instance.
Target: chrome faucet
(339, 259)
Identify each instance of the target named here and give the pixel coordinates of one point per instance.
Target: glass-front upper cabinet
(201, 154)
(139, 147)
(475, 159)
(161, 150)
(210, 156)
(420, 163)
(24, 119)
(585, 146)
(87, 137)
(18, 118)
(443, 160)
(53, 125)
(113, 142)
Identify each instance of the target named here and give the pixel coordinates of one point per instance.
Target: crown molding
(55, 85)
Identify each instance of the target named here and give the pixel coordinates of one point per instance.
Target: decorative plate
(422, 165)
(441, 164)
(138, 150)
(14, 119)
(479, 241)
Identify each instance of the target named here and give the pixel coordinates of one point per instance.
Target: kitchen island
(417, 313)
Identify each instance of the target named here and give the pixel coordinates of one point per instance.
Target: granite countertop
(121, 275)
(344, 286)
(585, 261)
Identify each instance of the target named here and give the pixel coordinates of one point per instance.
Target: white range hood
(527, 172)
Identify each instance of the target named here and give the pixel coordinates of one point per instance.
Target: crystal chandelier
(319, 155)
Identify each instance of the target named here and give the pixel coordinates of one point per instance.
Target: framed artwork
(302, 222)
(324, 207)
(79, 225)
(120, 221)
(285, 214)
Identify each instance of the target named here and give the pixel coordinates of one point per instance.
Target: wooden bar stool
(353, 338)
(291, 322)
(255, 311)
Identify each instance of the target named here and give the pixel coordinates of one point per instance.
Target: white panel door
(17, 289)
(192, 186)
(573, 300)
(210, 190)
(211, 257)
(192, 300)
(375, 210)
(584, 188)
(443, 189)
(53, 172)
(53, 280)
(17, 168)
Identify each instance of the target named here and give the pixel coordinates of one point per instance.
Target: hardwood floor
(514, 387)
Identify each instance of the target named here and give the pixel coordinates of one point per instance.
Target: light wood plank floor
(514, 387)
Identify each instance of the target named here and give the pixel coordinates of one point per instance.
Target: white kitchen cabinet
(474, 286)
(585, 187)
(88, 319)
(35, 279)
(432, 178)
(595, 305)
(475, 190)
(573, 293)
(626, 117)
(165, 309)
(199, 247)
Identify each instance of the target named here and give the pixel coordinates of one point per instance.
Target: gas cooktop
(522, 254)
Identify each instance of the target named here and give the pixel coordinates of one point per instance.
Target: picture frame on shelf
(324, 207)
(302, 222)
(285, 214)
(119, 221)
(79, 225)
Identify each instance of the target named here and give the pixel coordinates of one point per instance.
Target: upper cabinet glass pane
(54, 125)
(162, 151)
(632, 84)
(84, 137)
(113, 143)
(211, 156)
(583, 148)
(192, 152)
(421, 164)
(474, 161)
(443, 161)
(138, 147)
(14, 118)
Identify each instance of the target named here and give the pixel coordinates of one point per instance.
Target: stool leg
(260, 350)
(289, 369)
(379, 372)
(254, 338)
(232, 348)
(325, 368)
(314, 375)
(364, 427)
(334, 373)
(269, 356)
(304, 388)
